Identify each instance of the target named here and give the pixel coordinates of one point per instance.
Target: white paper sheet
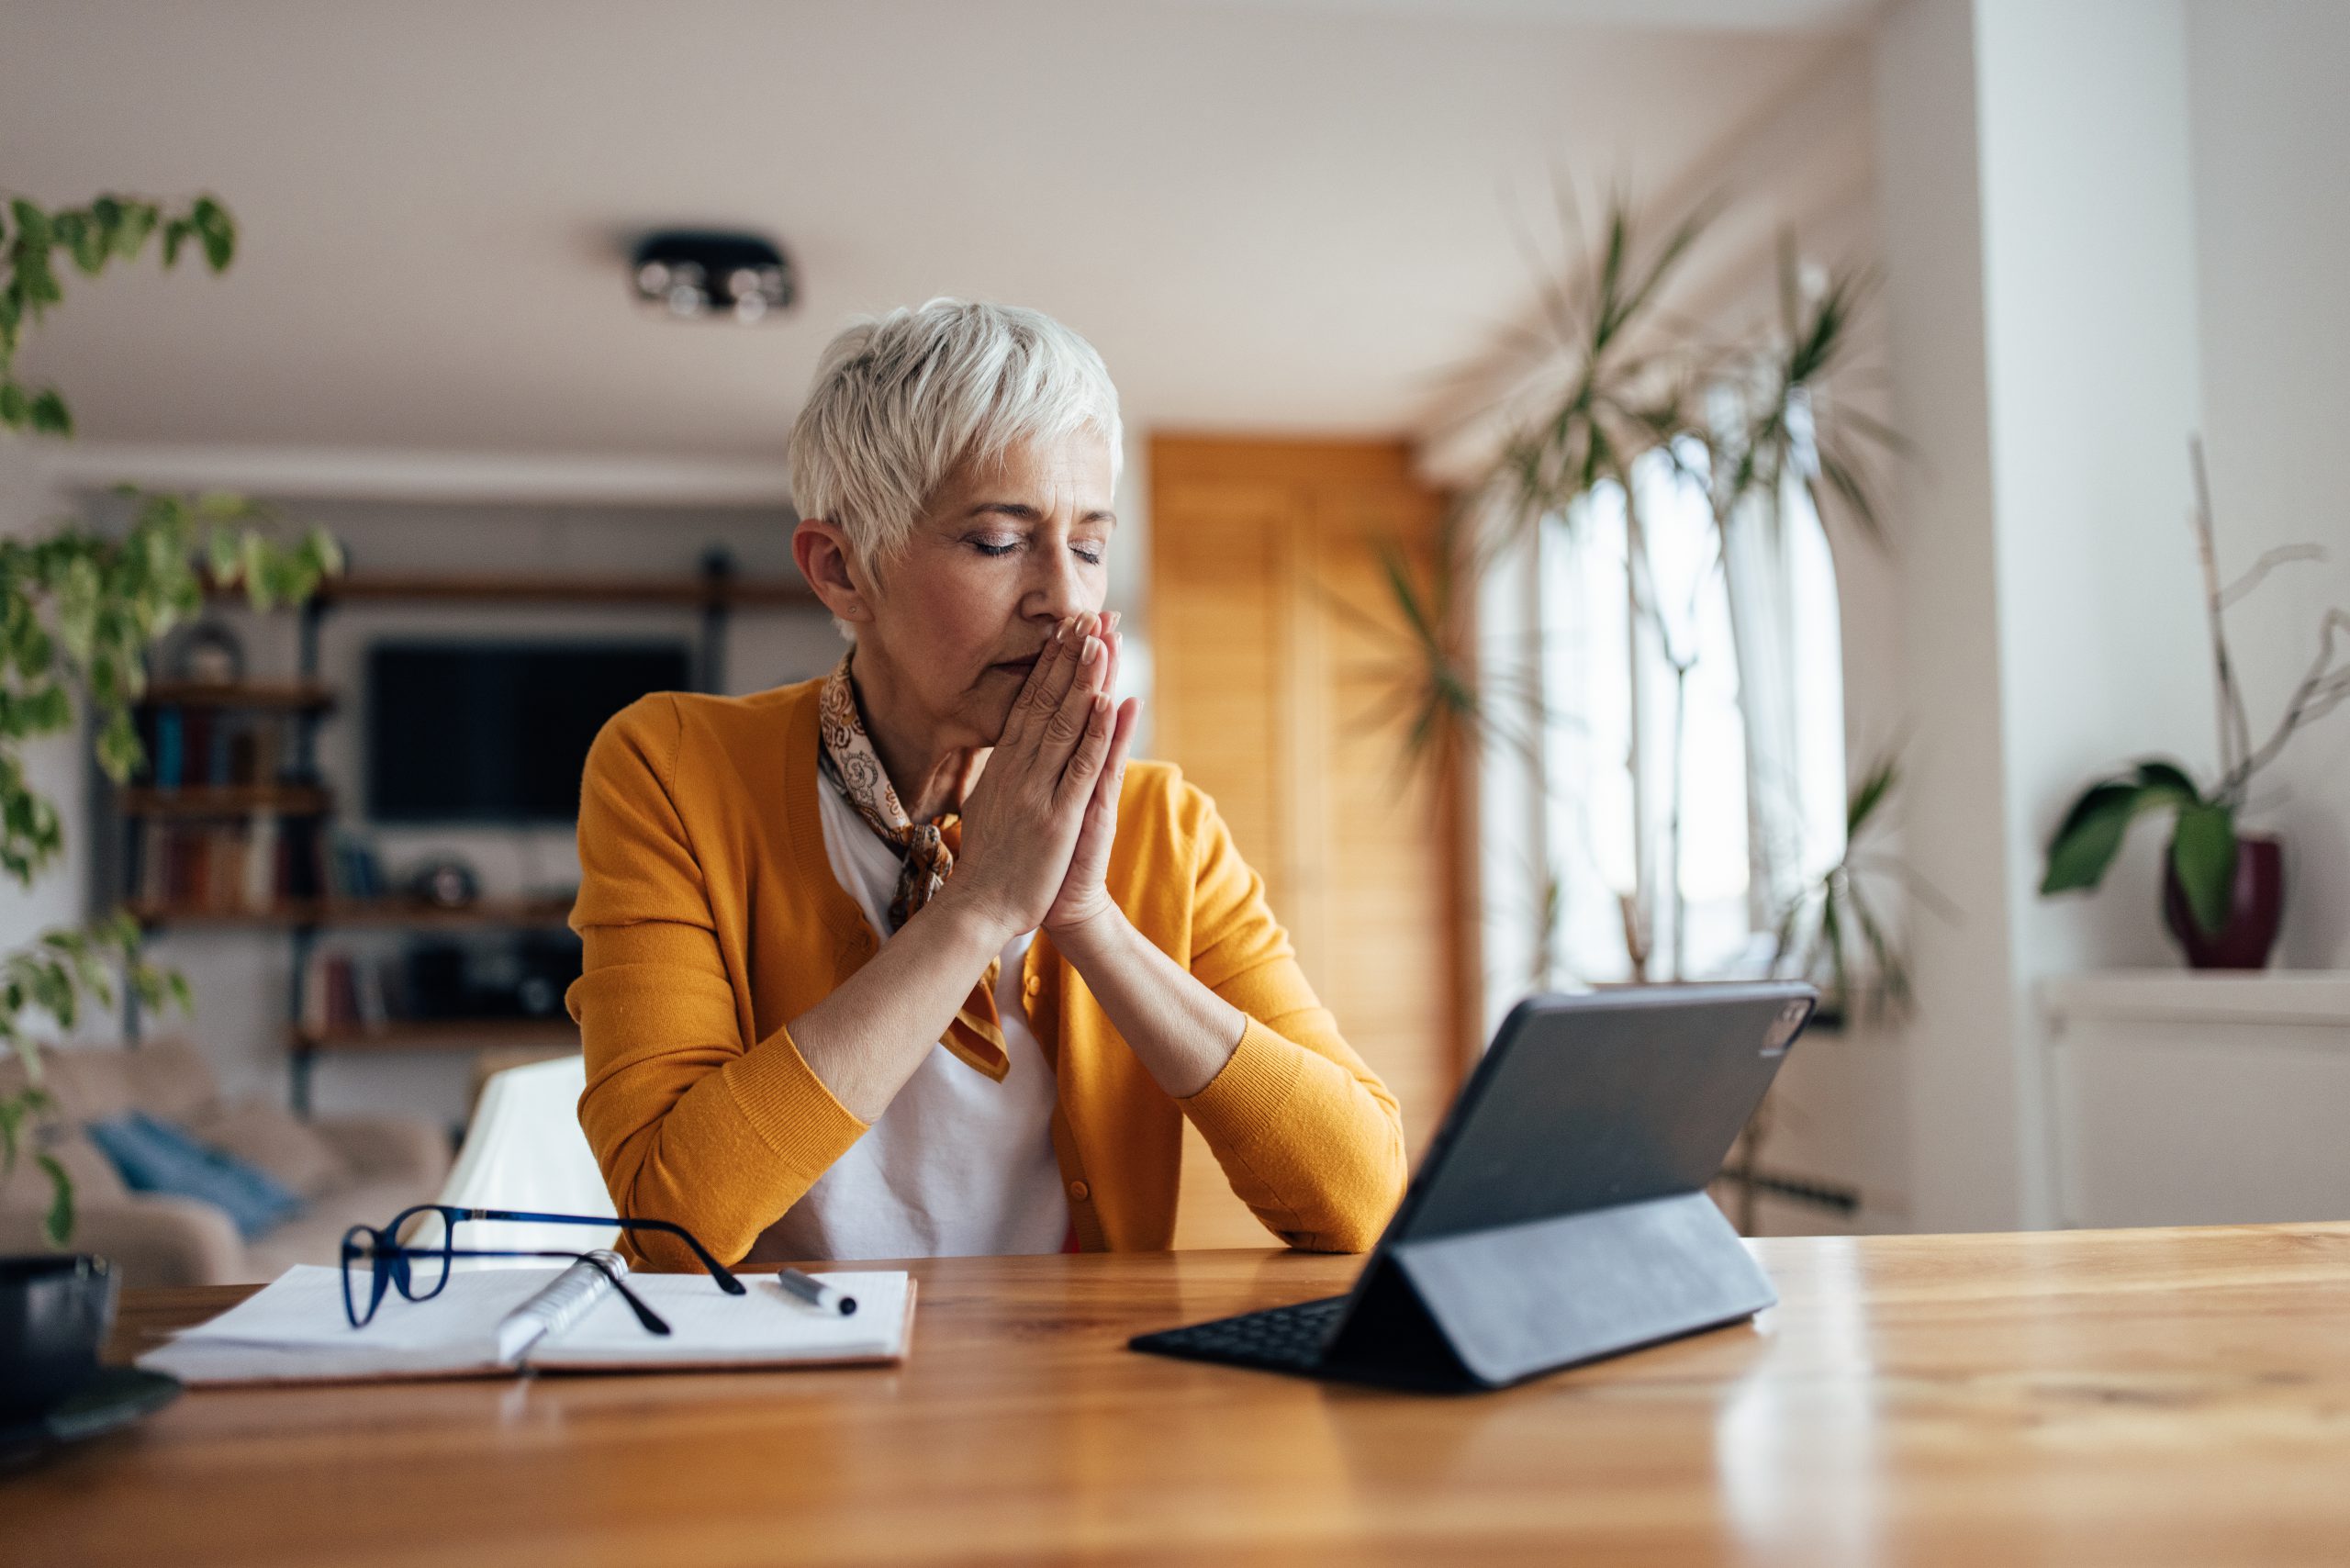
(303, 1307)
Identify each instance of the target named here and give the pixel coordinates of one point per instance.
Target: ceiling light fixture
(690, 274)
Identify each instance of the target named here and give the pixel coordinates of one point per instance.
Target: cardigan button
(1032, 984)
(1080, 1190)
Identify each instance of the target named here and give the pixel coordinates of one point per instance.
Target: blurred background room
(1613, 492)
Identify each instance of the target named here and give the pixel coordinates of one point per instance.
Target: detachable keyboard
(1286, 1338)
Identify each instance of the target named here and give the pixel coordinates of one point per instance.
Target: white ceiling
(1267, 214)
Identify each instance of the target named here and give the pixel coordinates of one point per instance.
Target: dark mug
(55, 1312)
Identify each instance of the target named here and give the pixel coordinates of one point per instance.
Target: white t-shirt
(958, 1164)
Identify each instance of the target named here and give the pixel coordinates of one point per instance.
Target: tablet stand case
(1561, 1214)
(1481, 1309)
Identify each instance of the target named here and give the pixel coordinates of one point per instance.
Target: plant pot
(2256, 909)
(55, 1312)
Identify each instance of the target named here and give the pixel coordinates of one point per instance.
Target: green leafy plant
(1781, 421)
(78, 612)
(111, 229)
(1836, 933)
(2203, 844)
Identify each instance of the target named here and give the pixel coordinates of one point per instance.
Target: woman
(909, 960)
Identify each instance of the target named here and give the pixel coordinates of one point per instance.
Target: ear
(822, 553)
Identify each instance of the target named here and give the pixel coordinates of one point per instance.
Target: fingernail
(1092, 648)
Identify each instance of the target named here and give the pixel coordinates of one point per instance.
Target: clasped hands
(1038, 825)
(1036, 830)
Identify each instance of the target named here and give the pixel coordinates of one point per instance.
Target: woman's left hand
(1084, 897)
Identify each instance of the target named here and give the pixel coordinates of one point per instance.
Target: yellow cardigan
(710, 916)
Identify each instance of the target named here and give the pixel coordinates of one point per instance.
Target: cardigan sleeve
(1309, 1136)
(689, 1121)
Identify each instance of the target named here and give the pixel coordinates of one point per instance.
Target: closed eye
(990, 548)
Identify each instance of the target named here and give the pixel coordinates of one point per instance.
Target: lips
(1016, 666)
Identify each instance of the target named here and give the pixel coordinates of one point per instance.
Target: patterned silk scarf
(927, 850)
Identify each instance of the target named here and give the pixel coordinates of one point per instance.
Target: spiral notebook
(493, 1322)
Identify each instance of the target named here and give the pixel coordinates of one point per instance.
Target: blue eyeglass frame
(389, 1257)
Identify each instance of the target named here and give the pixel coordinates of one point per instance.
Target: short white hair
(900, 400)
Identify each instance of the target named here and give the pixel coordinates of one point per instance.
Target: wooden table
(2141, 1397)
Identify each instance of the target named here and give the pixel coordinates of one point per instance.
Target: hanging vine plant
(79, 608)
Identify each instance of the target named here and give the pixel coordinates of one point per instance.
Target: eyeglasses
(420, 1272)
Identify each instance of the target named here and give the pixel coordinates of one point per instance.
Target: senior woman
(910, 961)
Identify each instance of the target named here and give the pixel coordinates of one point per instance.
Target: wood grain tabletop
(2141, 1397)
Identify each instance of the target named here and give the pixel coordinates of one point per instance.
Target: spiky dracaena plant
(1596, 395)
(1608, 382)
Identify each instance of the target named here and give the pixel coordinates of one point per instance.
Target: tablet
(1561, 1214)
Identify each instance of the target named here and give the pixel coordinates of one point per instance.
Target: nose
(1058, 590)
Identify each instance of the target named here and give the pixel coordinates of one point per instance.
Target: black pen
(815, 1292)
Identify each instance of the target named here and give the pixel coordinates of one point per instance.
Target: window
(1694, 728)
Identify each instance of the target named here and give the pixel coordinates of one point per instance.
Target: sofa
(347, 1169)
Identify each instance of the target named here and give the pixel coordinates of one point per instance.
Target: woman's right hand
(1021, 820)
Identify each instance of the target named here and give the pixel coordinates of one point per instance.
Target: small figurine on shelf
(445, 883)
(206, 654)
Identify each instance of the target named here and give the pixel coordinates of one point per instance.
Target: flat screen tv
(497, 732)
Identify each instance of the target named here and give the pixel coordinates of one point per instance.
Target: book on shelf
(329, 993)
(212, 747)
(368, 994)
(249, 865)
(344, 991)
(164, 748)
(261, 861)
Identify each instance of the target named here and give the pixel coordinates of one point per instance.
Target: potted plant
(2223, 889)
(79, 609)
(1609, 381)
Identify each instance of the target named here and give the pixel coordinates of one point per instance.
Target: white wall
(2040, 237)
(2089, 283)
(1953, 813)
(2089, 307)
(2271, 153)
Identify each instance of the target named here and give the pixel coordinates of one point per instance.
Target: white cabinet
(2181, 1098)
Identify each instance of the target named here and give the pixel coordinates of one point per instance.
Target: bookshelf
(427, 1034)
(232, 828)
(222, 799)
(348, 912)
(293, 696)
